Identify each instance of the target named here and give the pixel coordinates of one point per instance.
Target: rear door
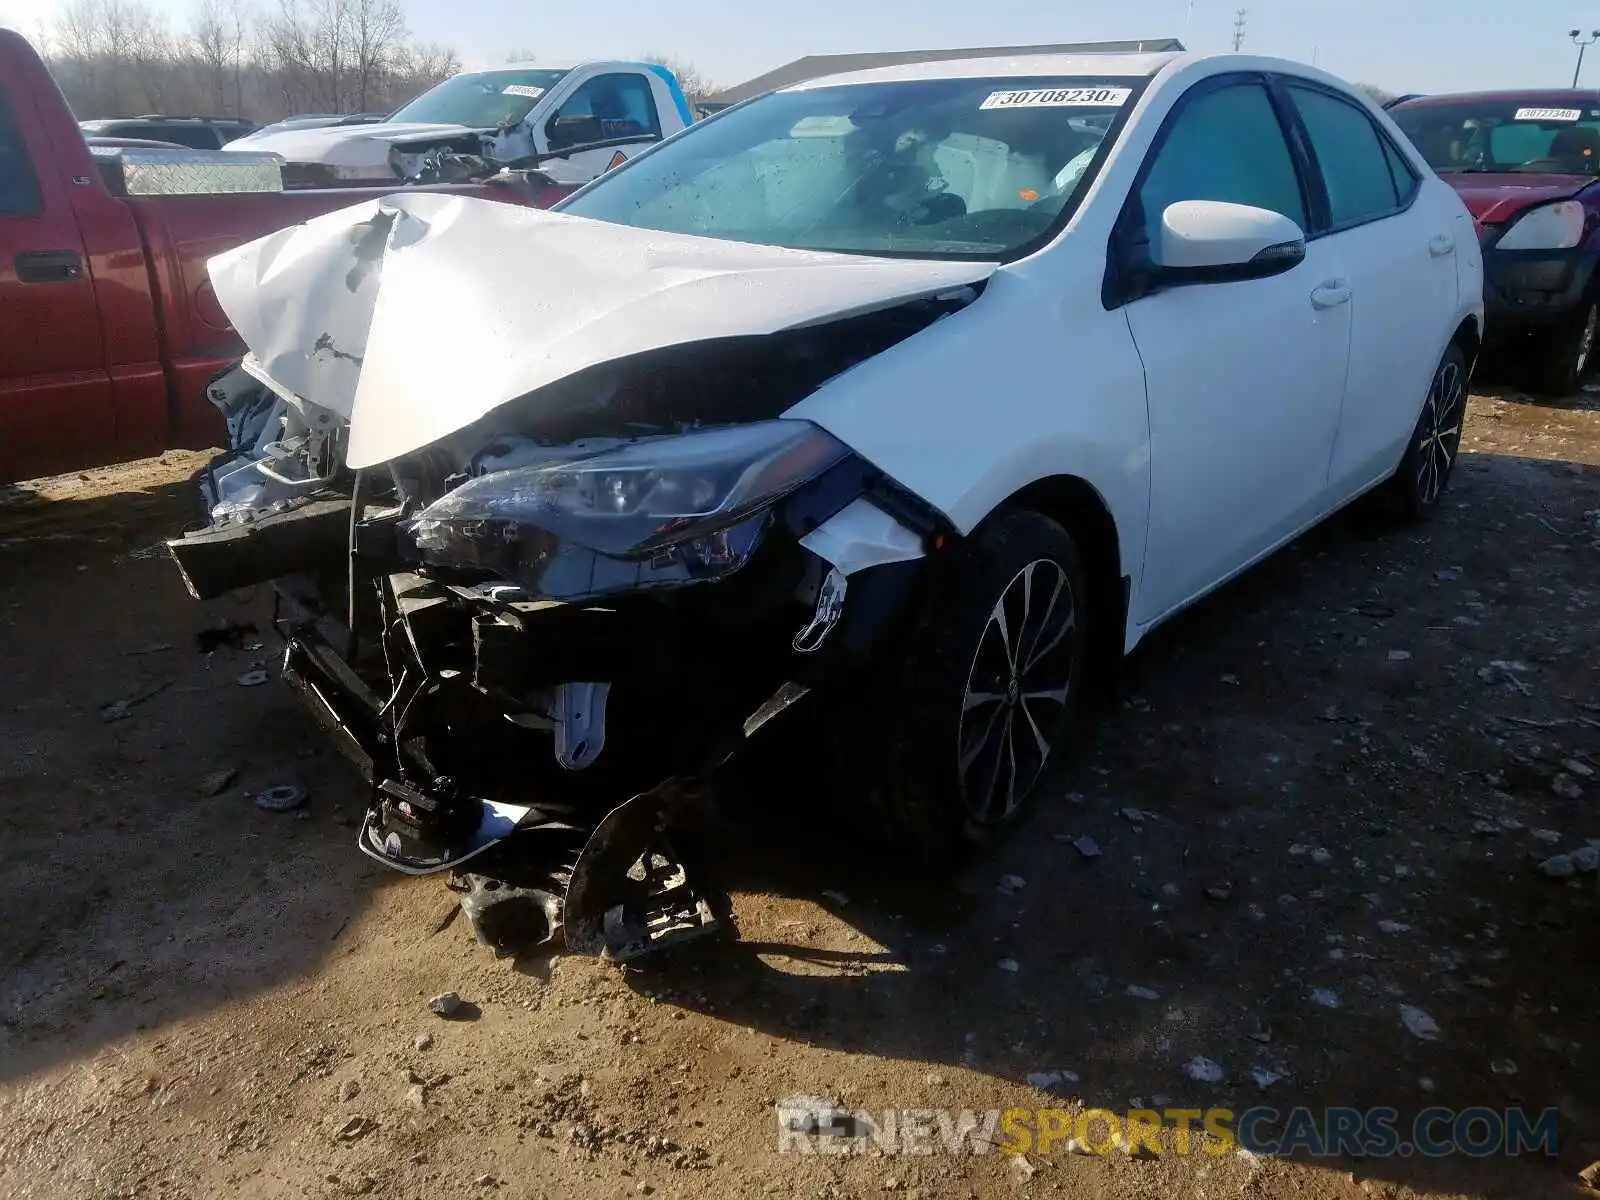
(616, 106)
(55, 395)
(1399, 249)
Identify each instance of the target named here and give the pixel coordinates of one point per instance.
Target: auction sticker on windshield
(522, 89)
(1549, 114)
(1078, 97)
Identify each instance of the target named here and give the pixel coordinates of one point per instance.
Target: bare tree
(217, 43)
(695, 85)
(520, 55)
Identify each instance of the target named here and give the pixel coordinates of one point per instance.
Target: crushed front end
(539, 652)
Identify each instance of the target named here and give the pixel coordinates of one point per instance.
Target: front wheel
(1566, 355)
(986, 688)
(1430, 456)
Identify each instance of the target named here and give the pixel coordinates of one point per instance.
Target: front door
(619, 108)
(56, 411)
(1243, 379)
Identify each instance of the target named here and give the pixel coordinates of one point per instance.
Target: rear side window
(19, 187)
(1356, 164)
(1224, 145)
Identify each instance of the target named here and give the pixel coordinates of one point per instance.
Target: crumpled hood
(416, 315)
(345, 145)
(1493, 199)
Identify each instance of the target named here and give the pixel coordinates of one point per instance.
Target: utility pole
(1238, 30)
(1582, 43)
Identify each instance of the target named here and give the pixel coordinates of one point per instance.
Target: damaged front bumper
(541, 718)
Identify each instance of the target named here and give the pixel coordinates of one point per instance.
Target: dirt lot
(1339, 765)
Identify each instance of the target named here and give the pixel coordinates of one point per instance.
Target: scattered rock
(934, 1079)
(1393, 927)
(354, 1129)
(254, 677)
(1503, 1066)
(1587, 859)
(215, 782)
(1548, 836)
(446, 1005)
(1581, 769)
(1325, 997)
(1399, 656)
(417, 1096)
(1559, 866)
(285, 797)
(423, 1041)
(1448, 575)
(836, 897)
(1590, 1176)
(1087, 847)
(1321, 856)
(1010, 885)
(1264, 1077)
(1567, 787)
(1220, 891)
(349, 1090)
(1010, 965)
(1021, 1169)
(1134, 816)
(1486, 829)
(1419, 1024)
(1135, 992)
(1203, 1070)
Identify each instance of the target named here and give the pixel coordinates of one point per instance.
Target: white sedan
(929, 388)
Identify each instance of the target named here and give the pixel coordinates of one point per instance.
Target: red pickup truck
(109, 330)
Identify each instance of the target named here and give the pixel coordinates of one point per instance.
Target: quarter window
(1356, 165)
(19, 189)
(1225, 145)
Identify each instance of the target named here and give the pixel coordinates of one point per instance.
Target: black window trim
(30, 172)
(1281, 84)
(1115, 291)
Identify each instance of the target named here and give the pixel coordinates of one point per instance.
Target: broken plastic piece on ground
(286, 797)
(508, 919)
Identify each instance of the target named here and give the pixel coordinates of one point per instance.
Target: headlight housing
(660, 511)
(1558, 226)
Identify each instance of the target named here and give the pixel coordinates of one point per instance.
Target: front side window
(603, 108)
(1225, 145)
(1355, 169)
(19, 188)
(482, 99)
(938, 168)
(1504, 135)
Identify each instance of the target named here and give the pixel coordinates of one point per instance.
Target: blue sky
(1414, 45)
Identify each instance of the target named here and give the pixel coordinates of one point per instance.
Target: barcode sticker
(522, 89)
(1078, 97)
(1549, 114)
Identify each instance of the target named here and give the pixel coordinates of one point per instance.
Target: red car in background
(1527, 164)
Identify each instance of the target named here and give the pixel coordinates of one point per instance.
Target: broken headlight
(660, 511)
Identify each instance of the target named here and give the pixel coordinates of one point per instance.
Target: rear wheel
(1566, 355)
(1430, 457)
(985, 689)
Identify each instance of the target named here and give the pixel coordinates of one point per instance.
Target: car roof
(1542, 97)
(1021, 65)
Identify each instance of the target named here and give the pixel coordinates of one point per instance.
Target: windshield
(944, 168)
(482, 100)
(1505, 135)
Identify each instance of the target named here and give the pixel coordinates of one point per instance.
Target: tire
(1565, 356)
(1430, 458)
(1014, 591)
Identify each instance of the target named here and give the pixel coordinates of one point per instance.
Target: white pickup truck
(573, 123)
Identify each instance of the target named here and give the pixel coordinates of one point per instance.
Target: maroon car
(1527, 164)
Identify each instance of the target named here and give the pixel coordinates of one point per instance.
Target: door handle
(48, 266)
(1331, 294)
(1442, 245)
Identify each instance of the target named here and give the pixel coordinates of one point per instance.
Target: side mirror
(572, 131)
(1210, 241)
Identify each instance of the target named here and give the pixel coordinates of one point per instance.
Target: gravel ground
(1334, 782)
